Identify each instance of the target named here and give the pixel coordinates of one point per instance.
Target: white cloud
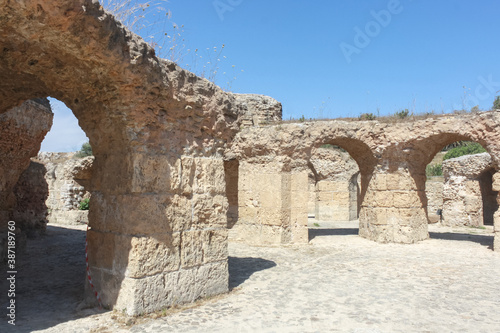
(65, 134)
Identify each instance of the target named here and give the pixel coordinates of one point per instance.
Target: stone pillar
(393, 210)
(298, 208)
(272, 206)
(353, 197)
(231, 171)
(158, 230)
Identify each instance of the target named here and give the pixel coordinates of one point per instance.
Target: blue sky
(329, 59)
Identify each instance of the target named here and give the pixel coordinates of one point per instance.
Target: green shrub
(496, 103)
(402, 114)
(367, 116)
(84, 204)
(85, 151)
(434, 170)
(466, 148)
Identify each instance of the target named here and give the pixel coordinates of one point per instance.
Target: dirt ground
(338, 283)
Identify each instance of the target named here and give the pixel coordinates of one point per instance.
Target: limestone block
(496, 181)
(159, 291)
(299, 182)
(134, 257)
(270, 216)
(324, 196)
(203, 246)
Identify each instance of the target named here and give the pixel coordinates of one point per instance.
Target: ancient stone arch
(160, 136)
(158, 218)
(392, 157)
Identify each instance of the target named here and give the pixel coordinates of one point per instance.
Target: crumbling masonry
(172, 166)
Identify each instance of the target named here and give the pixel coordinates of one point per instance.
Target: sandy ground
(338, 283)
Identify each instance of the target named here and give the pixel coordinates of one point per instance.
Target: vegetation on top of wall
(465, 148)
(496, 103)
(85, 151)
(402, 114)
(367, 116)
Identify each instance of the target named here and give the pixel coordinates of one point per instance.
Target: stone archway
(158, 217)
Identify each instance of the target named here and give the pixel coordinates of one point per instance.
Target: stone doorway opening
(334, 186)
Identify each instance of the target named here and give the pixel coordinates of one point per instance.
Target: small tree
(496, 103)
(85, 151)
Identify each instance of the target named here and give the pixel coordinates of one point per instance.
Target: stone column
(393, 210)
(298, 208)
(158, 230)
(272, 205)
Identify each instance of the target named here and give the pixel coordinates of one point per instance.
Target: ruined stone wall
(67, 177)
(391, 156)
(468, 199)
(22, 130)
(256, 110)
(31, 192)
(158, 216)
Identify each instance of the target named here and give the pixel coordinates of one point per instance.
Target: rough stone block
(203, 246)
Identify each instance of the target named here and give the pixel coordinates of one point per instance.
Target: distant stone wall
(67, 178)
(468, 198)
(336, 188)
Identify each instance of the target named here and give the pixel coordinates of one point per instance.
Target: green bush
(402, 114)
(496, 103)
(434, 170)
(84, 204)
(367, 116)
(467, 148)
(85, 151)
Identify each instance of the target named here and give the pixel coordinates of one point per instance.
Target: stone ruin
(468, 197)
(178, 160)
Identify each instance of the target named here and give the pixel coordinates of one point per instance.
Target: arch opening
(335, 183)
(458, 189)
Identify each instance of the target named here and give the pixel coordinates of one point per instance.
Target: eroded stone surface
(468, 198)
(22, 131)
(158, 134)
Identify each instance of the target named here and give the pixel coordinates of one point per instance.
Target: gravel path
(338, 283)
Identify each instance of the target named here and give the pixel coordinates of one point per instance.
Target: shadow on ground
(49, 281)
(484, 240)
(240, 269)
(332, 232)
